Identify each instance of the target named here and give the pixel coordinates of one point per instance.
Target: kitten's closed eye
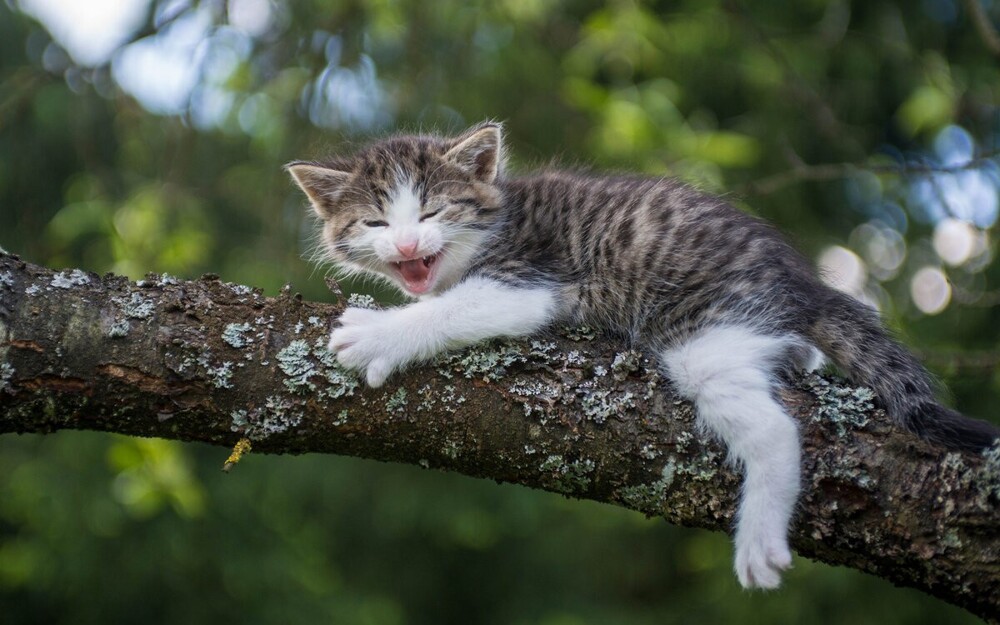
(429, 215)
(375, 223)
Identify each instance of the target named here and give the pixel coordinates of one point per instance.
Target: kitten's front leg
(379, 342)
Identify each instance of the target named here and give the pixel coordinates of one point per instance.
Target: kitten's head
(412, 209)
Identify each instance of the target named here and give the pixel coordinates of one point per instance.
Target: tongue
(415, 272)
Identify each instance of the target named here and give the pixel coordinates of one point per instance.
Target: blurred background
(148, 136)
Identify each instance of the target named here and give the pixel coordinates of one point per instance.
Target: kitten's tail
(852, 335)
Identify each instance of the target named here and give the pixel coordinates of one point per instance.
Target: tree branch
(210, 361)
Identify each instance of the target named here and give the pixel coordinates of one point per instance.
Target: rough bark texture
(569, 413)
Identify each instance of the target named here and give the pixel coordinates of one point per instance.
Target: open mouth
(418, 274)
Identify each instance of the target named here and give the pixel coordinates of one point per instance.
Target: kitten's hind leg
(728, 372)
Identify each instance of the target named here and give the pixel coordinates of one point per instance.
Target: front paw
(368, 341)
(761, 558)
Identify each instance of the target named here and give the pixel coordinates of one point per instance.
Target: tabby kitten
(719, 296)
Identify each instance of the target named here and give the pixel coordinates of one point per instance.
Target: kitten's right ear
(322, 184)
(479, 151)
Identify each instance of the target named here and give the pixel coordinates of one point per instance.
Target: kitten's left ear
(478, 151)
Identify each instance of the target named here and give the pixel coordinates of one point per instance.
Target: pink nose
(407, 248)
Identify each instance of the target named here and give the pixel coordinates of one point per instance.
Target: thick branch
(569, 413)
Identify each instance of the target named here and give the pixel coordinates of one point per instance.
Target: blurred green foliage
(94, 173)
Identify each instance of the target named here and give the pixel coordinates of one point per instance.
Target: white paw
(369, 341)
(761, 559)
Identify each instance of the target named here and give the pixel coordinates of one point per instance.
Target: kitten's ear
(478, 151)
(321, 184)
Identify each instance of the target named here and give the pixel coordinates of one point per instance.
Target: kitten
(719, 296)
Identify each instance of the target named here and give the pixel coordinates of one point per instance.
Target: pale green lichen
(361, 300)
(649, 498)
(575, 358)
(119, 328)
(295, 363)
(267, 322)
(991, 455)
(987, 479)
(235, 335)
(552, 463)
(682, 440)
(67, 280)
(600, 404)
(167, 279)
(579, 333)
(649, 451)
(239, 420)
(426, 394)
(136, 306)
(7, 280)
(240, 289)
(6, 375)
(450, 399)
(33, 289)
(625, 363)
(162, 280)
(531, 391)
(452, 449)
(951, 540)
(847, 407)
(702, 468)
(652, 382)
(340, 382)
(854, 475)
(220, 375)
(543, 350)
(487, 361)
(669, 471)
(278, 415)
(398, 401)
(341, 418)
(185, 364)
(566, 477)
(302, 364)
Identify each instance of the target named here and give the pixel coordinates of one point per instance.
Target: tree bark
(568, 412)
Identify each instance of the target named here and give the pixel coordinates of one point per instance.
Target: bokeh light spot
(930, 290)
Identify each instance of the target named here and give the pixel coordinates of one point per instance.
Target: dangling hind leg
(728, 373)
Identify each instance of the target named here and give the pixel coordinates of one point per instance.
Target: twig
(241, 448)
